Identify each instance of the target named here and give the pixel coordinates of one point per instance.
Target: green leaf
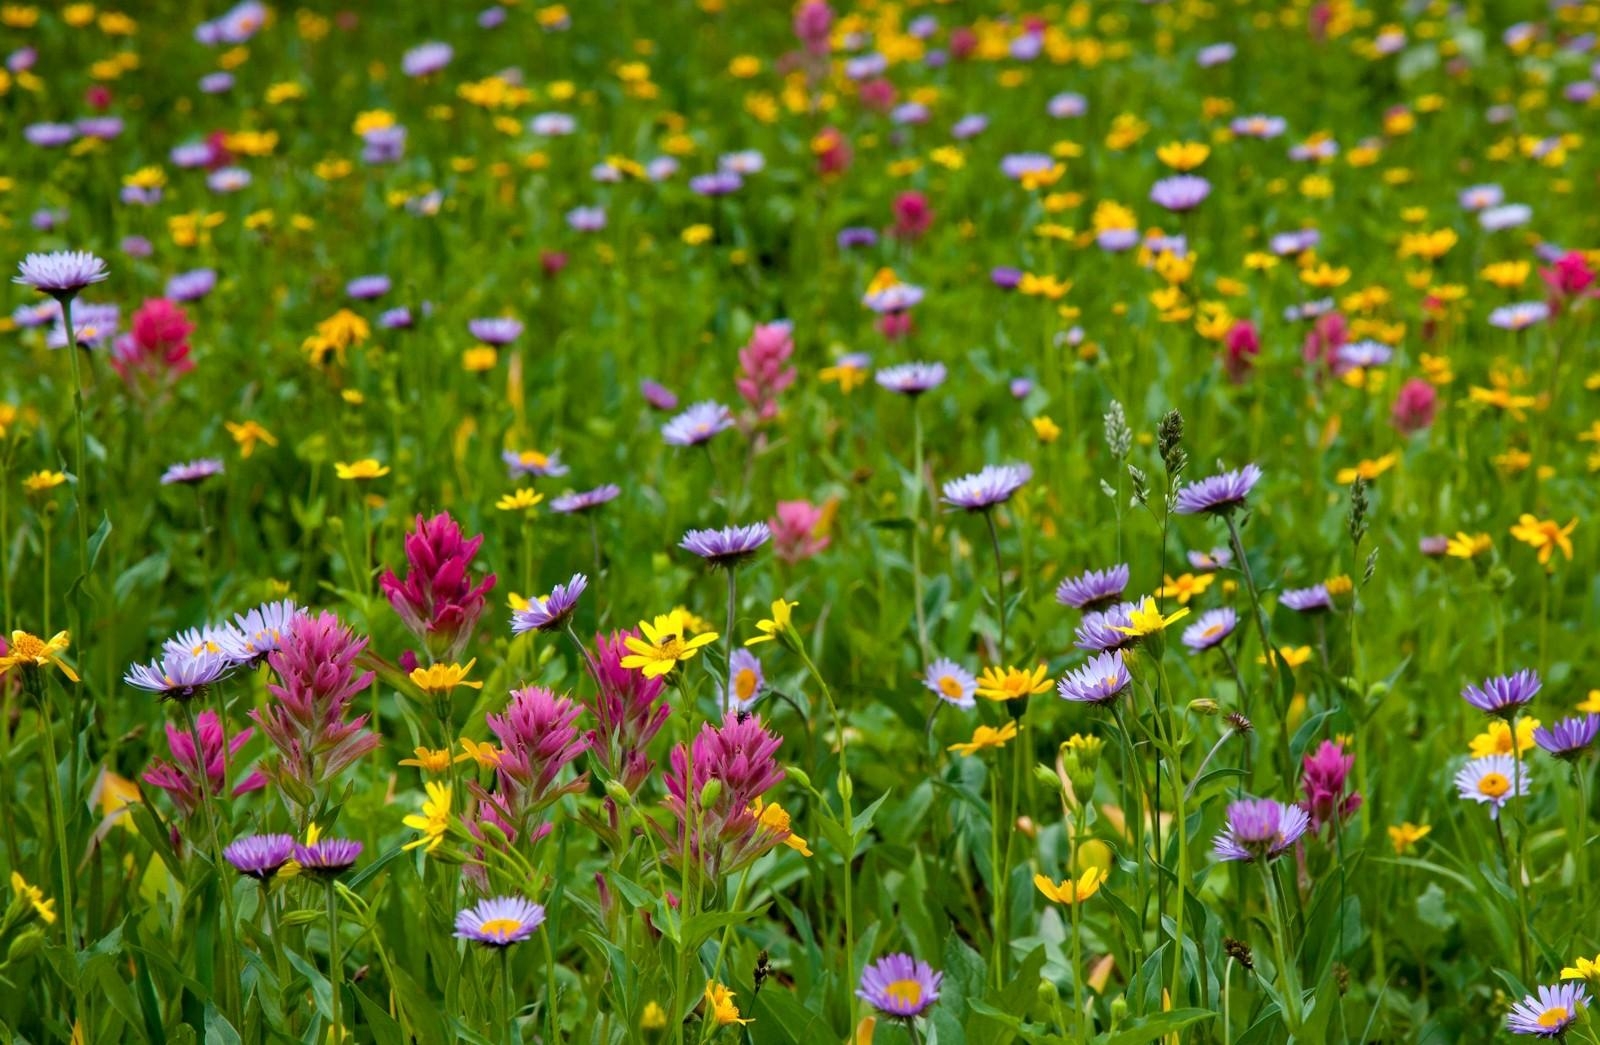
(370, 872)
(1157, 1026)
(218, 1030)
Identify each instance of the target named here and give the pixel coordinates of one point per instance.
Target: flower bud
(1049, 994)
(799, 776)
(618, 793)
(27, 943)
(1204, 706)
(710, 793)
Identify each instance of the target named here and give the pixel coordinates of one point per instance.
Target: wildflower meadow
(752, 521)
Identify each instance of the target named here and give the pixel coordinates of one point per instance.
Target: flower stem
(1000, 583)
(1288, 982)
(335, 962)
(1522, 841)
(916, 530)
(208, 803)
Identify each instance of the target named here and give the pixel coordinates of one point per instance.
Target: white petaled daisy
(1493, 781)
(61, 273)
(953, 683)
(499, 921)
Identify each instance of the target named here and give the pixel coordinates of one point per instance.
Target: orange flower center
(1494, 785)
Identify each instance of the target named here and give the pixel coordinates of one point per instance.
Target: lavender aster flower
(327, 858)
(728, 546)
(1550, 1013)
(550, 612)
(1215, 54)
(426, 59)
(192, 285)
(854, 236)
(499, 331)
(586, 219)
(1210, 629)
(179, 675)
(1218, 494)
(1181, 192)
(1097, 682)
(1508, 216)
(228, 179)
(717, 183)
(1260, 829)
(259, 856)
(969, 127)
(1490, 781)
(1100, 632)
(583, 501)
(258, 632)
(746, 681)
(552, 124)
(61, 273)
(1504, 695)
(499, 921)
(953, 683)
(192, 472)
(911, 379)
(400, 318)
(1570, 737)
(365, 288)
(899, 986)
(49, 135)
(983, 490)
(697, 424)
(1067, 105)
(1215, 559)
(1314, 599)
(658, 395)
(533, 462)
(1093, 589)
(1519, 316)
(1481, 197)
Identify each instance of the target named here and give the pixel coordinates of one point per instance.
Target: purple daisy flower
(61, 273)
(228, 179)
(1260, 829)
(981, 491)
(1215, 559)
(400, 318)
(1218, 494)
(499, 921)
(327, 858)
(1568, 738)
(365, 288)
(895, 299)
(1016, 164)
(728, 546)
(659, 396)
(1314, 599)
(899, 986)
(1067, 105)
(586, 219)
(582, 501)
(533, 462)
(191, 472)
(1181, 192)
(1100, 632)
(216, 83)
(552, 124)
(1006, 277)
(550, 612)
(717, 183)
(259, 856)
(1097, 682)
(104, 128)
(498, 331)
(746, 681)
(1093, 589)
(1212, 627)
(1519, 316)
(1504, 695)
(1481, 197)
(192, 285)
(180, 674)
(258, 632)
(1215, 54)
(1549, 1013)
(953, 683)
(1492, 780)
(1506, 216)
(969, 127)
(426, 59)
(49, 135)
(383, 145)
(92, 324)
(697, 424)
(911, 379)
(854, 236)
(1259, 125)
(1114, 241)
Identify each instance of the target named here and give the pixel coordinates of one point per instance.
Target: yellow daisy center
(1553, 1017)
(1212, 632)
(500, 927)
(950, 686)
(744, 684)
(909, 992)
(1493, 784)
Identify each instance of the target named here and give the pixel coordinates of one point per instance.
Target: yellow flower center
(1553, 1017)
(745, 684)
(533, 459)
(909, 992)
(950, 687)
(1212, 632)
(1494, 785)
(30, 647)
(670, 648)
(500, 927)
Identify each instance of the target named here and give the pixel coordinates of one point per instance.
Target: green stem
(335, 963)
(80, 510)
(1289, 985)
(1522, 841)
(916, 530)
(210, 806)
(846, 791)
(550, 1026)
(56, 813)
(506, 1006)
(997, 875)
(1000, 583)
